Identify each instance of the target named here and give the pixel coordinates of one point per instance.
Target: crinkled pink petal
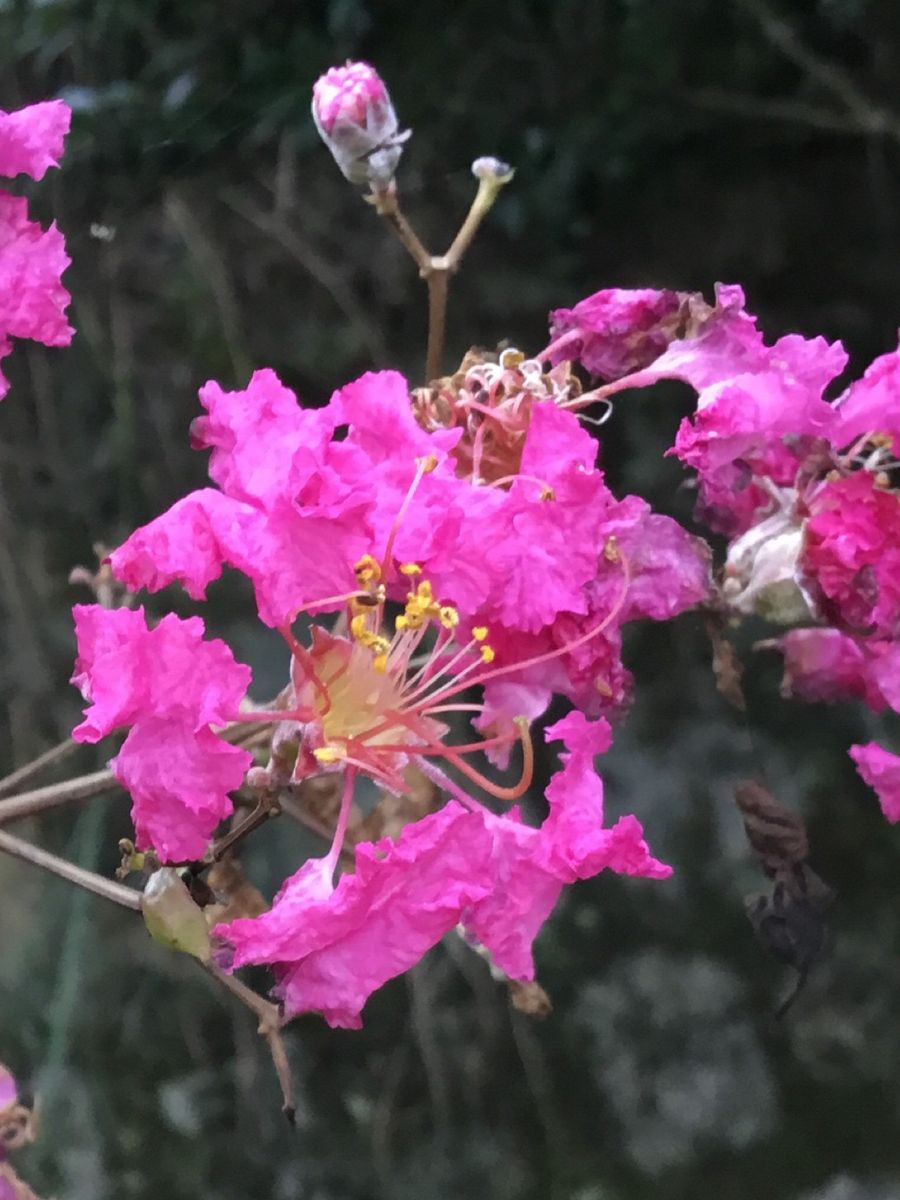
(615, 331)
(179, 780)
(265, 447)
(130, 672)
(530, 866)
(851, 556)
(291, 559)
(32, 299)
(378, 410)
(737, 416)
(723, 342)
(522, 896)
(332, 952)
(825, 664)
(31, 139)
(871, 404)
(574, 844)
(669, 569)
(881, 771)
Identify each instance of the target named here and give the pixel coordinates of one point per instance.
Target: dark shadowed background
(655, 144)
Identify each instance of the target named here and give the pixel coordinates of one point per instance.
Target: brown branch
(270, 1025)
(438, 280)
(49, 758)
(89, 880)
(870, 117)
(26, 804)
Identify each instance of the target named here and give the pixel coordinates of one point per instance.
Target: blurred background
(654, 144)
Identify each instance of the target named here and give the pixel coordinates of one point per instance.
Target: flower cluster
(32, 299)
(805, 487)
(517, 586)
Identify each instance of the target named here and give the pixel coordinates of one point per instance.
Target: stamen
(424, 466)
(547, 491)
(340, 831)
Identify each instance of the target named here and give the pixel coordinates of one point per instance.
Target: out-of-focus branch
(26, 804)
(269, 1028)
(48, 759)
(865, 116)
(126, 897)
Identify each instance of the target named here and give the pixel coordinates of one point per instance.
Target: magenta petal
(179, 782)
(31, 139)
(130, 672)
(881, 771)
(331, 953)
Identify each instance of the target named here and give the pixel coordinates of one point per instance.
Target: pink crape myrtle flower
(356, 121)
(32, 298)
(297, 508)
(851, 555)
(332, 947)
(169, 686)
(881, 771)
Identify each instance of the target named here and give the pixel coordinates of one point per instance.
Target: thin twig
(89, 880)
(387, 205)
(269, 1027)
(49, 758)
(870, 117)
(438, 282)
(26, 804)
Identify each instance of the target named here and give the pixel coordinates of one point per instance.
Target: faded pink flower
(616, 331)
(881, 771)
(170, 686)
(356, 121)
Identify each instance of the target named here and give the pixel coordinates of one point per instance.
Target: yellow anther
(380, 663)
(330, 754)
(427, 463)
(358, 626)
(479, 633)
(367, 570)
(487, 654)
(603, 688)
(547, 493)
(402, 622)
(410, 569)
(611, 549)
(423, 592)
(449, 617)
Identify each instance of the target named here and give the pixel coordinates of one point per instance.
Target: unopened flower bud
(492, 169)
(171, 916)
(356, 121)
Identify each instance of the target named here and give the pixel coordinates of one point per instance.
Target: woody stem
(89, 880)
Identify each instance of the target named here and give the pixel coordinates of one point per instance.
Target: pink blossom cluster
(805, 486)
(518, 588)
(32, 259)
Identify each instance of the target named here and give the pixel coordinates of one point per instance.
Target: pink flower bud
(356, 120)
